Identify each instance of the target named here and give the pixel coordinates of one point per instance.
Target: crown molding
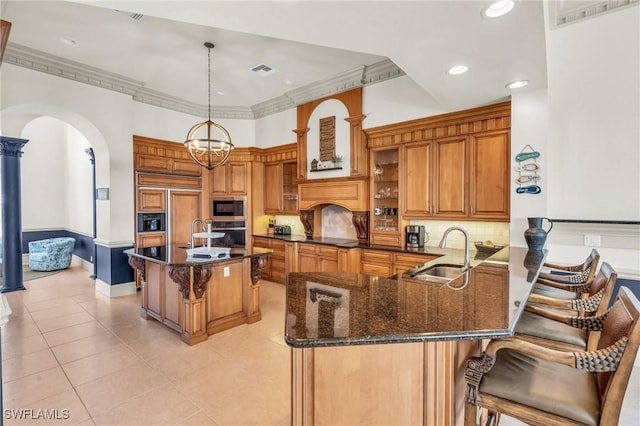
(273, 106)
(40, 61)
(342, 82)
(564, 13)
(43, 62)
(163, 100)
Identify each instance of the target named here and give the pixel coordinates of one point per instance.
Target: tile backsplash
(497, 232)
(336, 223)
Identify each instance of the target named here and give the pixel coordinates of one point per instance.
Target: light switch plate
(226, 271)
(592, 240)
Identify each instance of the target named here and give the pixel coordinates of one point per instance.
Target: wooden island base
(198, 300)
(400, 384)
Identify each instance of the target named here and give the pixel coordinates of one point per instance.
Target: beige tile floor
(95, 361)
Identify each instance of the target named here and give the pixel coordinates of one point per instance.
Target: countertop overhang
(176, 255)
(338, 309)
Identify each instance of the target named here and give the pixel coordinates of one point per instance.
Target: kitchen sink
(439, 272)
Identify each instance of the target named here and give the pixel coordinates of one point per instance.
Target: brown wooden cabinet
(151, 239)
(417, 194)
(454, 166)
(280, 187)
(385, 196)
(273, 188)
(317, 258)
(229, 179)
(275, 270)
(489, 187)
(184, 208)
(152, 200)
(386, 263)
(376, 262)
(156, 163)
(404, 261)
(450, 171)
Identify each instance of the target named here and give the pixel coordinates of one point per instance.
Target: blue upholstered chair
(51, 254)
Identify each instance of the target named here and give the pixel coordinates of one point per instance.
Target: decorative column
(11, 152)
(92, 158)
(307, 217)
(360, 221)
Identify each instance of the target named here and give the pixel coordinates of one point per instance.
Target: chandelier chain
(209, 49)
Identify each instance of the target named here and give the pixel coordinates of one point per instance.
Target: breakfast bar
(367, 349)
(199, 296)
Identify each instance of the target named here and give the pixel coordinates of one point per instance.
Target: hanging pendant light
(213, 147)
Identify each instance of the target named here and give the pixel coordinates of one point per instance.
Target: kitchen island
(198, 297)
(373, 350)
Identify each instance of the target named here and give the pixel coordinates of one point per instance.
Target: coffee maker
(415, 236)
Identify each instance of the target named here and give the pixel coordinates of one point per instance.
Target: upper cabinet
(450, 182)
(280, 188)
(229, 179)
(489, 167)
(453, 166)
(385, 205)
(418, 197)
(158, 156)
(435, 179)
(153, 163)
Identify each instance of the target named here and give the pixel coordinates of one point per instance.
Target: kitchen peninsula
(373, 350)
(198, 297)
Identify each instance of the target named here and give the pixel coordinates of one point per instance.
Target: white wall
(56, 178)
(276, 129)
(159, 123)
(78, 184)
(42, 171)
(594, 105)
(395, 100)
(529, 126)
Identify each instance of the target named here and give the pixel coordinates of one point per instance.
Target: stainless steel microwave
(229, 209)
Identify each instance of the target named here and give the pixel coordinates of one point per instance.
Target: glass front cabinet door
(385, 209)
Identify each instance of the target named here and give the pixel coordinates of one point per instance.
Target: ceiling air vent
(263, 70)
(134, 16)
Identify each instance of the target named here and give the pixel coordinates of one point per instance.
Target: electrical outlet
(427, 229)
(592, 240)
(226, 271)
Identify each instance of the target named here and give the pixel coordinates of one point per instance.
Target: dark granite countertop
(177, 255)
(337, 308)
(341, 242)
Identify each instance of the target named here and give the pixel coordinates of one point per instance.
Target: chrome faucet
(193, 224)
(443, 244)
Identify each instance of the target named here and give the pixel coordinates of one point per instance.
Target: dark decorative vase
(535, 235)
(532, 262)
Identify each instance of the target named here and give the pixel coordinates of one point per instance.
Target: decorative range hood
(349, 193)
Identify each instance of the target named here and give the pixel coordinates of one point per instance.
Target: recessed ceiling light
(517, 84)
(69, 41)
(498, 8)
(458, 69)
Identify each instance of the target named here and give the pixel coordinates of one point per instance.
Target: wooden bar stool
(542, 386)
(568, 324)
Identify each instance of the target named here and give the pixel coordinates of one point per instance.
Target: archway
(59, 179)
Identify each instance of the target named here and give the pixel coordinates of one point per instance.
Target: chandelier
(212, 148)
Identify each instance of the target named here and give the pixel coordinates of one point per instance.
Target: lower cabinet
(311, 257)
(150, 239)
(275, 270)
(405, 261)
(317, 258)
(386, 263)
(376, 262)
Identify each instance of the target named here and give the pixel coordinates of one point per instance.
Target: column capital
(11, 147)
